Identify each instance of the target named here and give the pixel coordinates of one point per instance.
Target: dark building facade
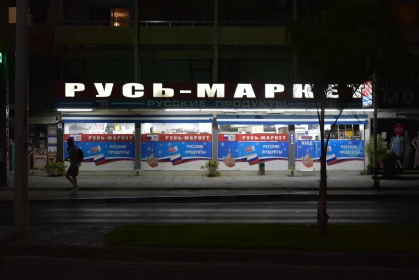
(178, 44)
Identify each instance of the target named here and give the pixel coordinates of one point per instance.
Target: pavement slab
(43, 187)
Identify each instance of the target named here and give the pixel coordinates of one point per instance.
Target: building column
(137, 146)
(214, 137)
(4, 123)
(375, 128)
(291, 147)
(21, 205)
(215, 44)
(60, 140)
(365, 136)
(4, 99)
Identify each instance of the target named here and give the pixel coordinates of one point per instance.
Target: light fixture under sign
(74, 110)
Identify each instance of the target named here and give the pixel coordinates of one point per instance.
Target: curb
(217, 256)
(225, 199)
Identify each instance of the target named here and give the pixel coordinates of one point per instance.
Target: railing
(173, 23)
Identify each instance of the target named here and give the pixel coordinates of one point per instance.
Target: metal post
(215, 42)
(291, 148)
(214, 137)
(375, 129)
(137, 148)
(214, 80)
(294, 10)
(21, 217)
(136, 39)
(4, 124)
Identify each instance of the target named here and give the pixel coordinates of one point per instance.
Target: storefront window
(345, 148)
(339, 132)
(175, 146)
(176, 128)
(106, 146)
(249, 129)
(347, 132)
(243, 146)
(307, 132)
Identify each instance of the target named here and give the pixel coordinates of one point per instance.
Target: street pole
(294, 10)
(136, 54)
(21, 207)
(215, 80)
(215, 43)
(375, 129)
(4, 123)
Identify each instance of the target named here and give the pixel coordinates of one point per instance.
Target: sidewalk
(339, 180)
(155, 185)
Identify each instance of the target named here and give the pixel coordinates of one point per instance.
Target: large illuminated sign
(136, 90)
(191, 95)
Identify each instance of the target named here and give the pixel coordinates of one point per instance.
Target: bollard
(261, 168)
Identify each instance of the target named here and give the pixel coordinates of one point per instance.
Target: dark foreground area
(81, 227)
(301, 212)
(377, 238)
(46, 268)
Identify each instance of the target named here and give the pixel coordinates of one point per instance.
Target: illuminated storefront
(175, 146)
(181, 126)
(289, 141)
(106, 146)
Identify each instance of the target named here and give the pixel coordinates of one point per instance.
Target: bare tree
(339, 43)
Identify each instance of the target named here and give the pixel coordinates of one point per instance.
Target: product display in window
(176, 128)
(397, 145)
(407, 150)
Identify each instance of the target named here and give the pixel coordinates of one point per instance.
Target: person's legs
(75, 187)
(71, 176)
(68, 177)
(75, 182)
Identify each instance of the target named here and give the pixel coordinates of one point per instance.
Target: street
(234, 212)
(47, 268)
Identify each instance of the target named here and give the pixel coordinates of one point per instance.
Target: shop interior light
(326, 110)
(182, 110)
(288, 110)
(218, 110)
(358, 110)
(74, 110)
(345, 110)
(253, 110)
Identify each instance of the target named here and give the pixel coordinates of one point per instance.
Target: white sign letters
(133, 90)
(209, 91)
(217, 90)
(103, 91)
(271, 89)
(72, 88)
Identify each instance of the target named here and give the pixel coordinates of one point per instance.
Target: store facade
(182, 126)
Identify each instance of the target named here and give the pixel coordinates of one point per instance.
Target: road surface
(236, 212)
(45, 268)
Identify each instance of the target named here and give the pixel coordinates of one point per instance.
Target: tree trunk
(322, 216)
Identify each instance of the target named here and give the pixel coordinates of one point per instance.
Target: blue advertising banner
(338, 151)
(175, 151)
(248, 150)
(104, 149)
